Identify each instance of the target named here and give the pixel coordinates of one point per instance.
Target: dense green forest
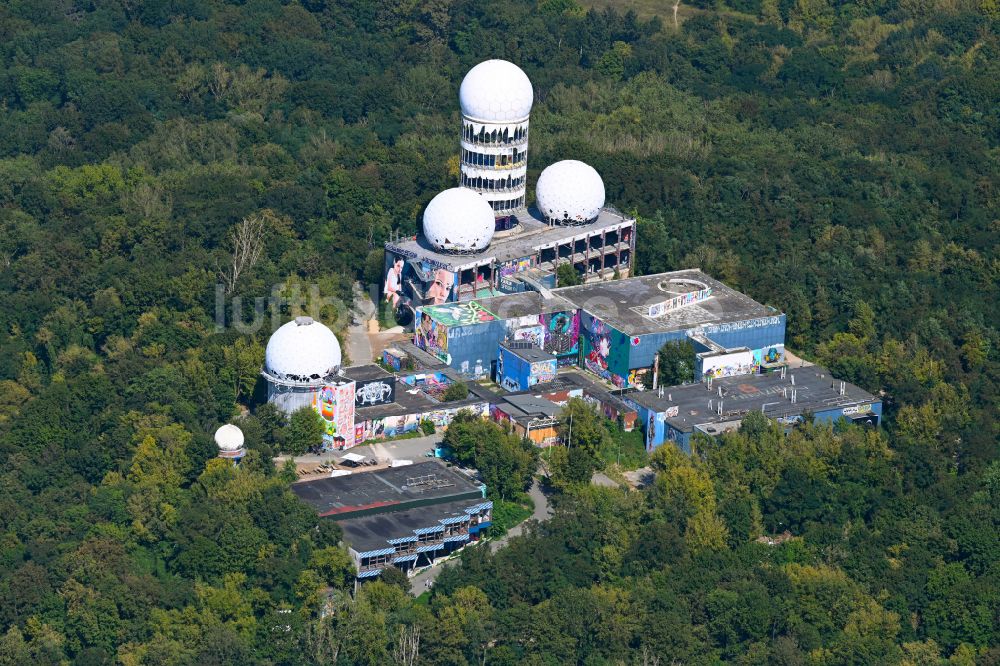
(839, 160)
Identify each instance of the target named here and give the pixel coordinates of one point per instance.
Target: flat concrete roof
(528, 352)
(816, 391)
(385, 490)
(524, 407)
(420, 358)
(361, 373)
(525, 239)
(624, 304)
(511, 306)
(374, 532)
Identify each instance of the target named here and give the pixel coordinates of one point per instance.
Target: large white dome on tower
(569, 192)
(229, 438)
(496, 91)
(460, 220)
(302, 351)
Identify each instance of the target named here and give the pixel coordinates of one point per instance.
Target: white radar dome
(229, 438)
(302, 351)
(496, 91)
(569, 192)
(459, 220)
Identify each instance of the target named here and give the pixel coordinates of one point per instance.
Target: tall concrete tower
(496, 98)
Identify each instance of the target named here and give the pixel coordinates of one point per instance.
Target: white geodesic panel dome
(496, 91)
(302, 351)
(229, 438)
(459, 220)
(569, 191)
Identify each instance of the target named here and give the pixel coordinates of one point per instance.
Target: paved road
(542, 512)
(359, 347)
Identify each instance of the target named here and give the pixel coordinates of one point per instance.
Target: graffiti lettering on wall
(431, 336)
(541, 372)
(857, 409)
(511, 267)
(533, 334)
(459, 314)
(663, 307)
(760, 322)
(335, 405)
(728, 365)
(393, 426)
(374, 392)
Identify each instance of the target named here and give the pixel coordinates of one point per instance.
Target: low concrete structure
(401, 516)
(674, 414)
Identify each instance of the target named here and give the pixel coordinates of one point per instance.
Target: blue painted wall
(512, 371)
(475, 346)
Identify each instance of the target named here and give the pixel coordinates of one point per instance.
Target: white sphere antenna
(303, 351)
(496, 91)
(496, 98)
(229, 439)
(459, 220)
(569, 192)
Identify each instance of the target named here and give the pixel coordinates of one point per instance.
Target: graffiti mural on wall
(375, 392)
(729, 365)
(562, 333)
(335, 405)
(431, 336)
(606, 351)
(516, 266)
(769, 355)
(441, 286)
(541, 372)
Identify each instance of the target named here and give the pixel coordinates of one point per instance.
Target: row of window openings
(496, 136)
(507, 204)
(497, 161)
(490, 184)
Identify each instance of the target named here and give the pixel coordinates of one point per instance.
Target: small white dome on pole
(459, 220)
(569, 192)
(303, 351)
(229, 439)
(496, 91)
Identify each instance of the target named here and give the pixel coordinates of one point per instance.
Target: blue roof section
(376, 553)
(430, 548)
(429, 530)
(371, 573)
(405, 558)
(375, 533)
(456, 538)
(406, 539)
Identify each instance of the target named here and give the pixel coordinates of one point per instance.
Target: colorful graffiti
(562, 333)
(691, 297)
(510, 267)
(605, 352)
(335, 405)
(533, 334)
(729, 365)
(431, 336)
(769, 355)
(393, 426)
(541, 372)
(459, 314)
